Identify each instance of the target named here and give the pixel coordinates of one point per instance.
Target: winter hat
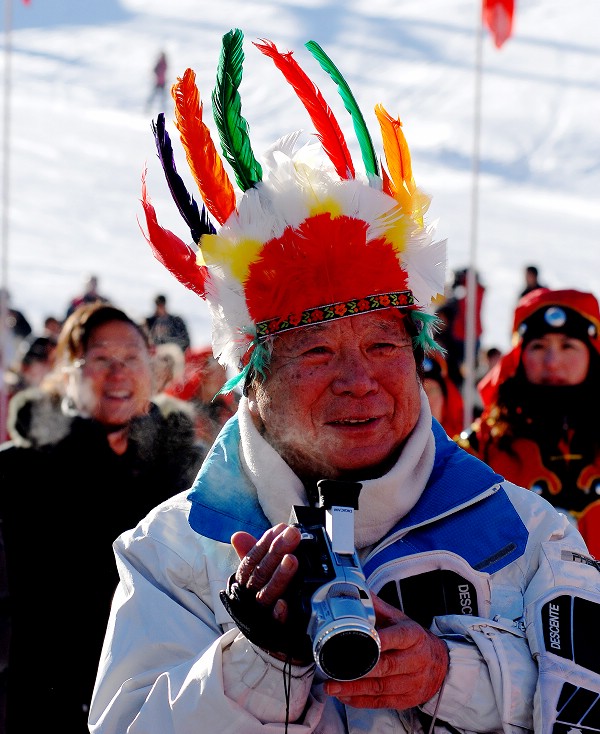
(307, 239)
(568, 312)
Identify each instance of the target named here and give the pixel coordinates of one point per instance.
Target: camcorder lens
(347, 655)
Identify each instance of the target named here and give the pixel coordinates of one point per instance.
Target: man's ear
(250, 395)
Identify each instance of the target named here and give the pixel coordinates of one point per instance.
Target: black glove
(258, 625)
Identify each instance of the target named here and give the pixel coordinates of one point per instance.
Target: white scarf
(382, 502)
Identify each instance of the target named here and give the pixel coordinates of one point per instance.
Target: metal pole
(469, 386)
(5, 209)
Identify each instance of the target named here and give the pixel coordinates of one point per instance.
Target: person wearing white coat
(173, 658)
(477, 599)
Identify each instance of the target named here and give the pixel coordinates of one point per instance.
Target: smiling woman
(111, 379)
(90, 455)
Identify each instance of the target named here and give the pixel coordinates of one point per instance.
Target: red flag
(26, 2)
(498, 17)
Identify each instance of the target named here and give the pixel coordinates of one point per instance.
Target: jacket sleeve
(500, 678)
(561, 622)
(491, 679)
(166, 664)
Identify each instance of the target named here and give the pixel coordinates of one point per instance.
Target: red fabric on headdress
(325, 260)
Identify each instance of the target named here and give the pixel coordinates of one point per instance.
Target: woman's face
(555, 359)
(112, 383)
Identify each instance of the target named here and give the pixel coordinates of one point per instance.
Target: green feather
(227, 108)
(259, 364)
(360, 127)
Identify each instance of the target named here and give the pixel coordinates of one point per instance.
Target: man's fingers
(273, 589)
(385, 613)
(408, 673)
(262, 562)
(242, 543)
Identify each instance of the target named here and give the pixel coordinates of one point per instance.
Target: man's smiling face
(340, 398)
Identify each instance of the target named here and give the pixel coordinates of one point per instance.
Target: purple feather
(199, 223)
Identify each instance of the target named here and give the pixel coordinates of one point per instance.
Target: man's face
(340, 397)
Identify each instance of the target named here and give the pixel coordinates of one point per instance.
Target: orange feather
(397, 155)
(387, 186)
(204, 161)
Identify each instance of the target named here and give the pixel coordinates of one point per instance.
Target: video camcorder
(331, 587)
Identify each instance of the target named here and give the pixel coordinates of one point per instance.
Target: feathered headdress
(307, 239)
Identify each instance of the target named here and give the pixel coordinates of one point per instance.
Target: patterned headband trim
(322, 314)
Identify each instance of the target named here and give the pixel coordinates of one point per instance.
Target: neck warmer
(382, 501)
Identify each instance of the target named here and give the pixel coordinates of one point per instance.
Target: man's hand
(268, 565)
(411, 668)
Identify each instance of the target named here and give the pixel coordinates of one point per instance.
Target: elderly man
(464, 590)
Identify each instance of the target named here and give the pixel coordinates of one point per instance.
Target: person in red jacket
(539, 427)
(159, 82)
(445, 399)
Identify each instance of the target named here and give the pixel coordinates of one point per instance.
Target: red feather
(328, 130)
(173, 253)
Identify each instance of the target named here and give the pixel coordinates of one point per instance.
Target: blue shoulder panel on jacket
(488, 533)
(223, 499)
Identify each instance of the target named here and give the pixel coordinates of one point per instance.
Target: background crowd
(532, 424)
(188, 373)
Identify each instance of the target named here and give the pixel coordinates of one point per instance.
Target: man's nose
(355, 374)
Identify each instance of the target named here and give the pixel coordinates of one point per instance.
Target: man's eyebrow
(306, 335)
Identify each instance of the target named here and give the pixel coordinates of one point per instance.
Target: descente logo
(464, 596)
(554, 626)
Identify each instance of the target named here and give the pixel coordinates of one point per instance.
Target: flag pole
(6, 95)
(471, 284)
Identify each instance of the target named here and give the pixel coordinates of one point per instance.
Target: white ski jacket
(464, 552)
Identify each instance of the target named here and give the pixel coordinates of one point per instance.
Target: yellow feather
(397, 155)
(237, 255)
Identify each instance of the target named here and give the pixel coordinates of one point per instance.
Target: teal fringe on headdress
(258, 364)
(427, 325)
